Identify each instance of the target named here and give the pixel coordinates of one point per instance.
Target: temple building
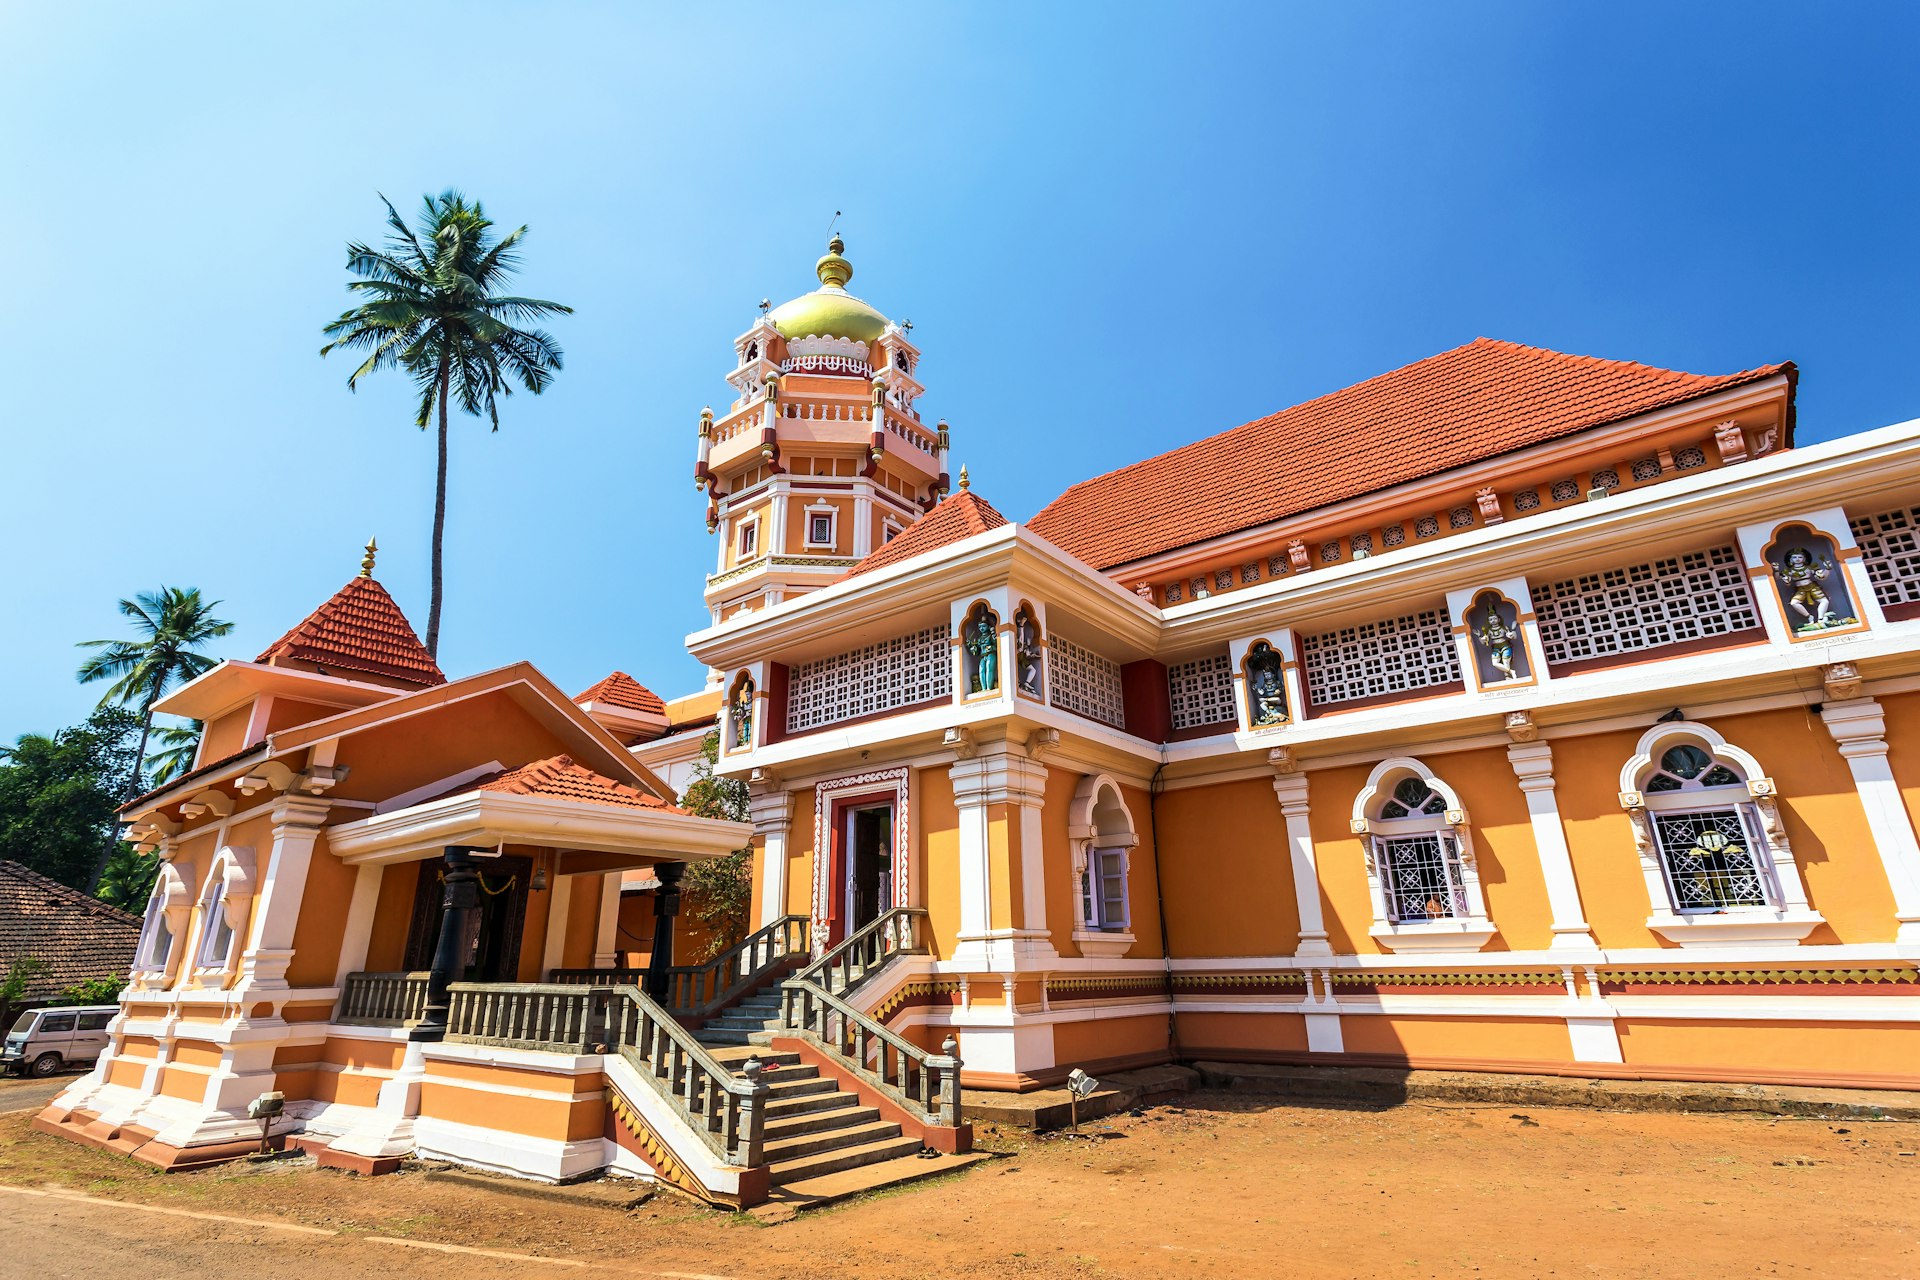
(1512, 711)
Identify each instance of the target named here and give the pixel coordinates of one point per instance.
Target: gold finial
(366, 561)
(834, 271)
(964, 482)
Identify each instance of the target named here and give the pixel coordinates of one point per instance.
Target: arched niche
(1494, 634)
(1810, 579)
(980, 650)
(1264, 677)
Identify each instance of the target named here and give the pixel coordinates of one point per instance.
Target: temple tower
(822, 456)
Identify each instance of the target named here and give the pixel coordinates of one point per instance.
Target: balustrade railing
(727, 1111)
(382, 999)
(701, 990)
(928, 1083)
(842, 967)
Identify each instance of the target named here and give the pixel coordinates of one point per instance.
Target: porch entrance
(868, 837)
(491, 950)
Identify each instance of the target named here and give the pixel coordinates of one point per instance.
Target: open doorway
(868, 838)
(490, 952)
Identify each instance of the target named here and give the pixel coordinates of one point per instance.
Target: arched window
(166, 921)
(1712, 845)
(224, 902)
(752, 353)
(1101, 834)
(1420, 864)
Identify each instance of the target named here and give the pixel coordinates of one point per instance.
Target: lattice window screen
(1645, 606)
(1085, 683)
(1372, 659)
(1201, 691)
(1890, 547)
(900, 672)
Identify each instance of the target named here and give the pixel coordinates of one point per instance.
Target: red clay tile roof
(75, 936)
(622, 690)
(960, 516)
(1461, 406)
(360, 629)
(562, 779)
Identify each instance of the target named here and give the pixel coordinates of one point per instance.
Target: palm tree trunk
(133, 789)
(439, 514)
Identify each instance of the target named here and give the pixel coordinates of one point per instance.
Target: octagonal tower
(822, 456)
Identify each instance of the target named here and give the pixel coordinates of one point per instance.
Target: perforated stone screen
(1086, 683)
(1201, 691)
(900, 672)
(1644, 606)
(1890, 547)
(1376, 659)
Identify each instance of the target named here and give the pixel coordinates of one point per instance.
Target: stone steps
(817, 1164)
(857, 1133)
(812, 1192)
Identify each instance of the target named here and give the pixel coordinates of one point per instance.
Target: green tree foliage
(171, 625)
(128, 880)
(719, 891)
(174, 749)
(93, 991)
(431, 305)
(20, 976)
(58, 795)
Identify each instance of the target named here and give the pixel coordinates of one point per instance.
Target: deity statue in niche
(743, 715)
(981, 636)
(1026, 653)
(1496, 634)
(1812, 590)
(1266, 687)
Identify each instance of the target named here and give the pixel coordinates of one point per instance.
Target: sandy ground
(1215, 1187)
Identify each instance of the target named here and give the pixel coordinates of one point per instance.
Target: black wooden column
(460, 899)
(666, 905)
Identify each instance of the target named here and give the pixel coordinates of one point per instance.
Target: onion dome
(829, 311)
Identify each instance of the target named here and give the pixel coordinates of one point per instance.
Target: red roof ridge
(1471, 402)
(619, 689)
(960, 515)
(360, 628)
(559, 777)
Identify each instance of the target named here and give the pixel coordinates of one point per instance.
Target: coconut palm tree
(174, 749)
(172, 624)
(431, 307)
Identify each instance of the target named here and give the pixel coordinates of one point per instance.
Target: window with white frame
(1707, 833)
(166, 914)
(1421, 872)
(1101, 835)
(889, 530)
(1712, 841)
(820, 527)
(748, 544)
(223, 906)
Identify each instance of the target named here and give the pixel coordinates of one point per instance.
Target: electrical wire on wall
(1160, 904)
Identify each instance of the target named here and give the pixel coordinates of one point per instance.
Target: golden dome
(829, 311)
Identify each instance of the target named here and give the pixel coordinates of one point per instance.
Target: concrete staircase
(751, 1021)
(822, 1144)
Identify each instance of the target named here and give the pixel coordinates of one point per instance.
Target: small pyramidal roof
(360, 629)
(960, 516)
(561, 778)
(621, 690)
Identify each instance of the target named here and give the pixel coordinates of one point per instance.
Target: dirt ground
(1217, 1186)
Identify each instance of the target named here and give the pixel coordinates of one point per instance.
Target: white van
(43, 1041)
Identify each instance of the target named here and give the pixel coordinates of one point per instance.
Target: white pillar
(1859, 727)
(772, 814)
(283, 884)
(604, 954)
(559, 907)
(358, 934)
(1533, 765)
(1291, 789)
(1000, 778)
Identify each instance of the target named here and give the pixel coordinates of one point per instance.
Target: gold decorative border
(1067, 986)
(1202, 981)
(655, 1149)
(1450, 978)
(1751, 976)
(907, 991)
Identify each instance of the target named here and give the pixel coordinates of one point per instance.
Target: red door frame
(836, 904)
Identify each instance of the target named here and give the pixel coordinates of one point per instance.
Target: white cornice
(484, 819)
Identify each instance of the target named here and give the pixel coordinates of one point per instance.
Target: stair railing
(701, 990)
(727, 1111)
(382, 999)
(845, 965)
(922, 1082)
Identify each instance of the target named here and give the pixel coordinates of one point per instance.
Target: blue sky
(1116, 228)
